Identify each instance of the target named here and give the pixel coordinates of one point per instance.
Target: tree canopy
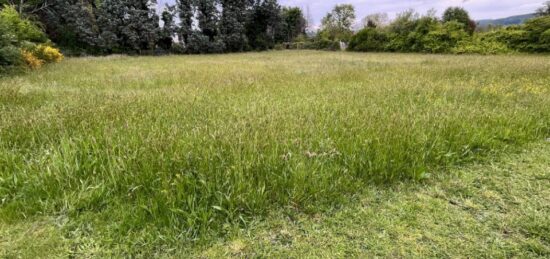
(136, 26)
(337, 25)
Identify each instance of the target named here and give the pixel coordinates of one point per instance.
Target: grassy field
(139, 155)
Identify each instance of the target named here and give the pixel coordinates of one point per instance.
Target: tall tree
(263, 24)
(169, 27)
(207, 16)
(111, 21)
(141, 30)
(233, 24)
(337, 24)
(460, 15)
(69, 23)
(186, 14)
(294, 23)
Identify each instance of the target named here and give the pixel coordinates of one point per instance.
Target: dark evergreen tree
(198, 43)
(263, 23)
(128, 26)
(71, 23)
(294, 23)
(186, 14)
(141, 25)
(169, 28)
(208, 21)
(233, 24)
(111, 21)
(207, 16)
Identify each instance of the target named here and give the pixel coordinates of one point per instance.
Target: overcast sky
(479, 9)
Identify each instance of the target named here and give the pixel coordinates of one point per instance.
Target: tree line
(453, 32)
(219, 26)
(188, 26)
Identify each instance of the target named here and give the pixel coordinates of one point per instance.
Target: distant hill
(512, 20)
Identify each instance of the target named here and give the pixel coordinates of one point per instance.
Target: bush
(279, 47)
(444, 37)
(177, 48)
(31, 60)
(323, 44)
(23, 43)
(479, 45)
(400, 30)
(537, 30)
(22, 29)
(10, 55)
(368, 39)
(47, 53)
(545, 37)
(513, 37)
(10, 59)
(411, 33)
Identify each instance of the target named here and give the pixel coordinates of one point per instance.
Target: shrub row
(429, 35)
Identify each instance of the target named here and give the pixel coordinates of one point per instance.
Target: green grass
(497, 210)
(136, 154)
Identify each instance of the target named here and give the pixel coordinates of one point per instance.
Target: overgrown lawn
(149, 151)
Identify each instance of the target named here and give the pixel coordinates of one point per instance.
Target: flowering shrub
(22, 43)
(48, 54)
(31, 60)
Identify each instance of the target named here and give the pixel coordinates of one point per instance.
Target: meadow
(137, 153)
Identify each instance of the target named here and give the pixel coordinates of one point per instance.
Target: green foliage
(168, 31)
(10, 55)
(185, 12)
(18, 38)
(460, 15)
(514, 37)
(207, 17)
(10, 58)
(263, 24)
(323, 44)
(400, 29)
(368, 39)
(233, 25)
(72, 24)
(545, 37)
(137, 33)
(410, 32)
(481, 45)
(444, 37)
(126, 26)
(537, 30)
(22, 29)
(336, 25)
(293, 22)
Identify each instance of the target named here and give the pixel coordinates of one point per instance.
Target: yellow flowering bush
(31, 60)
(48, 54)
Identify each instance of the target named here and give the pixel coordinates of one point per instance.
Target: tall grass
(192, 144)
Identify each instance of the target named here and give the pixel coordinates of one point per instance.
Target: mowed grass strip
(491, 210)
(499, 209)
(165, 148)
